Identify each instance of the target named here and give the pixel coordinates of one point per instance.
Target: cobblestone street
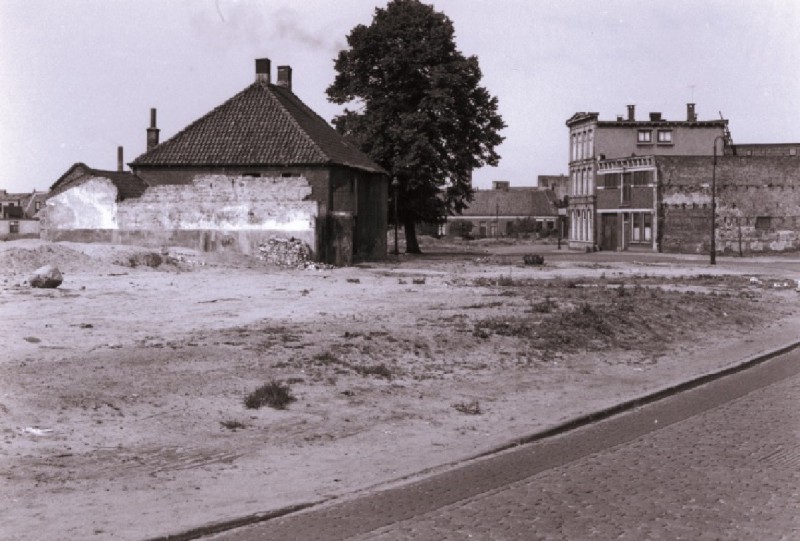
(730, 472)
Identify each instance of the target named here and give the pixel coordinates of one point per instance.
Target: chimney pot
(263, 66)
(691, 116)
(631, 113)
(152, 131)
(119, 159)
(285, 77)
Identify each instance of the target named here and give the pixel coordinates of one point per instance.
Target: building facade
(260, 165)
(19, 214)
(612, 192)
(507, 211)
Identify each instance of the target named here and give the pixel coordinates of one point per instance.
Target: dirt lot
(122, 392)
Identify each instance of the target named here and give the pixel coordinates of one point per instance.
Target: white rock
(47, 276)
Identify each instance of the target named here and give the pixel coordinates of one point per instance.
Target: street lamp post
(714, 202)
(396, 188)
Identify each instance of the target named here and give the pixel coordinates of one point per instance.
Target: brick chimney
(263, 66)
(655, 117)
(285, 77)
(152, 131)
(119, 159)
(631, 113)
(691, 116)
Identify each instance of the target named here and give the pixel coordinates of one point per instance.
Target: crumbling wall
(213, 213)
(90, 205)
(758, 203)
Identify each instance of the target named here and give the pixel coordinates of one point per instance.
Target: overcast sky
(78, 77)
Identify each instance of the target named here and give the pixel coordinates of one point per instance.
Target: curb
(566, 426)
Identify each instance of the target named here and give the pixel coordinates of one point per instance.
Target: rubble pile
(285, 252)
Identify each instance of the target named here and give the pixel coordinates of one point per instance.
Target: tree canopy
(418, 109)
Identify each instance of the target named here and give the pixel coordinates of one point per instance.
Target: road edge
(561, 428)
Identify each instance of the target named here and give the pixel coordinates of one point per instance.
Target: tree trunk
(412, 246)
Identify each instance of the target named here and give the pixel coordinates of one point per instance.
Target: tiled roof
(514, 202)
(262, 125)
(128, 185)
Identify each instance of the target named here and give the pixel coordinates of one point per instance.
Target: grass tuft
(468, 408)
(272, 394)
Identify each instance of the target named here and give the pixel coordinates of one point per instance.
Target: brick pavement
(730, 473)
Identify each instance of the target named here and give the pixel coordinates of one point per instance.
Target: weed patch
(273, 394)
(232, 425)
(468, 408)
(379, 370)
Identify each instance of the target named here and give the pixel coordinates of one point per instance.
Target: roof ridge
(293, 120)
(262, 125)
(319, 117)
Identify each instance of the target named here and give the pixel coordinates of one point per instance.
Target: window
(642, 178)
(13, 227)
(763, 223)
(665, 136)
(627, 179)
(611, 180)
(645, 136)
(642, 226)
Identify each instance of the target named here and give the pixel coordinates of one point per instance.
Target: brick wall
(214, 212)
(758, 203)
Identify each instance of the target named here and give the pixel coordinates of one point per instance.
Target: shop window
(642, 227)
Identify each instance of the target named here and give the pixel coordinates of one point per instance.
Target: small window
(13, 227)
(645, 136)
(665, 136)
(763, 223)
(792, 152)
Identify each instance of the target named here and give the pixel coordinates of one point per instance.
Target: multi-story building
(613, 179)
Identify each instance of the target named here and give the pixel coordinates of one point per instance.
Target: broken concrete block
(46, 276)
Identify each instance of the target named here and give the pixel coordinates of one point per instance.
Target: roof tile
(264, 124)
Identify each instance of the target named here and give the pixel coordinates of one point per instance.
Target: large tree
(419, 110)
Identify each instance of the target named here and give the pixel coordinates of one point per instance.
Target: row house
(507, 211)
(611, 188)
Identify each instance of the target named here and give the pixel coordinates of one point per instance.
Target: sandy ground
(122, 391)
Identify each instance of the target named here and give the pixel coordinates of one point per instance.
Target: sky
(78, 77)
